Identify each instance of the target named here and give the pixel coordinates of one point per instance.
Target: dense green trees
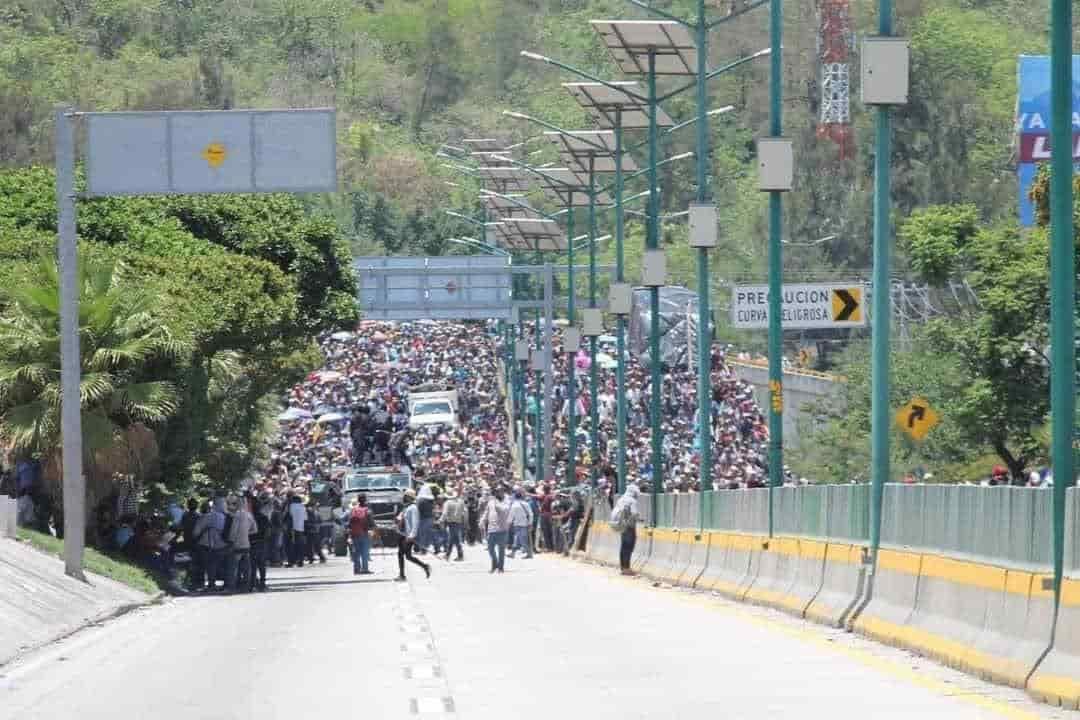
(219, 298)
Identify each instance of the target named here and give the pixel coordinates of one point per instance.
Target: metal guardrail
(1005, 526)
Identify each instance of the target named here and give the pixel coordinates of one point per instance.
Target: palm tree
(124, 353)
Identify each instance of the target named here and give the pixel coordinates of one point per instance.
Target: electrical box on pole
(703, 225)
(885, 71)
(620, 298)
(592, 322)
(536, 360)
(654, 268)
(776, 164)
(571, 340)
(521, 350)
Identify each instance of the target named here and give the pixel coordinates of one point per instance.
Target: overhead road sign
(630, 41)
(916, 418)
(459, 287)
(234, 151)
(807, 306)
(598, 146)
(623, 98)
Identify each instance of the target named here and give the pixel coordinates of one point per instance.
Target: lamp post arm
(742, 11)
(553, 128)
(582, 74)
(713, 73)
(518, 203)
(661, 13)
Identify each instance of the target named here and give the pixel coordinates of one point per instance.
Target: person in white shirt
(520, 521)
(297, 539)
(239, 553)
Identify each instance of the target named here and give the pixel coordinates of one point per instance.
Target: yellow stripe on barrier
(904, 562)
(1070, 592)
(986, 577)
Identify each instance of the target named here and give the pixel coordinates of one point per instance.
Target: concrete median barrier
(775, 572)
(642, 550)
(603, 544)
(665, 548)
(1057, 678)
(895, 590)
(730, 565)
(843, 577)
(809, 577)
(698, 558)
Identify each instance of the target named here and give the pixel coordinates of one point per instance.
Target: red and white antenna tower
(834, 41)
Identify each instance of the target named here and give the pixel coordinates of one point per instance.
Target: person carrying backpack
(624, 520)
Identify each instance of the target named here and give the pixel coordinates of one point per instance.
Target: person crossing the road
(409, 524)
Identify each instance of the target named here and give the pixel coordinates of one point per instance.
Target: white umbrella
(342, 336)
(294, 413)
(329, 376)
(330, 417)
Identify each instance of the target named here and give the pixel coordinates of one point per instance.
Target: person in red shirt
(360, 526)
(546, 527)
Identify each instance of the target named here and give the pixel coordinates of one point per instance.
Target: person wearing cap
(453, 518)
(409, 523)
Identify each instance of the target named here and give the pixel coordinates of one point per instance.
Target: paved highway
(551, 638)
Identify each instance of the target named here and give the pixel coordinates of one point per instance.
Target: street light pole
(571, 386)
(704, 337)
(620, 321)
(652, 239)
(594, 429)
(1062, 275)
(776, 349)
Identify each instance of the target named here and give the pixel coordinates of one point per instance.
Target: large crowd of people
(739, 429)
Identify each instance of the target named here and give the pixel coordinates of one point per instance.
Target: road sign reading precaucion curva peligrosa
(820, 305)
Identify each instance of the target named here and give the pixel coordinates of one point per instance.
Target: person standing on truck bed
(409, 524)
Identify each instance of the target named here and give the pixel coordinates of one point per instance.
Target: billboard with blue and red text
(1033, 123)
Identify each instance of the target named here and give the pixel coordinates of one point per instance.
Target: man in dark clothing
(260, 540)
(311, 530)
(547, 500)
(189, 545)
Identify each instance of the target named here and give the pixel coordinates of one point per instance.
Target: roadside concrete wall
(800, 390)
(40, 604)
(962, 576)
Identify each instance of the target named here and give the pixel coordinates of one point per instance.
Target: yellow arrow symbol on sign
(214, 154)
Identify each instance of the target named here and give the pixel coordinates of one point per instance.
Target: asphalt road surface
(551, 638)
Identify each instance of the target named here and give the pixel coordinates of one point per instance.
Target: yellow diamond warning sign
(847, 304)
(214, 154)
(917, 418)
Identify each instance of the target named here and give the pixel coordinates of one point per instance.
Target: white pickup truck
(433, 408)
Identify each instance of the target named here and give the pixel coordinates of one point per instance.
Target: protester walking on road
(208, 530)
(409, 524)
(453, 516)
(238, 562)
(260, 540)
(624, 520)
(297, 544)
(495, 524)
(360, 523)
(521, 518)
(313, 534)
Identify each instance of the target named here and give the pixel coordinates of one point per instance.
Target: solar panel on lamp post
(629, 42)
